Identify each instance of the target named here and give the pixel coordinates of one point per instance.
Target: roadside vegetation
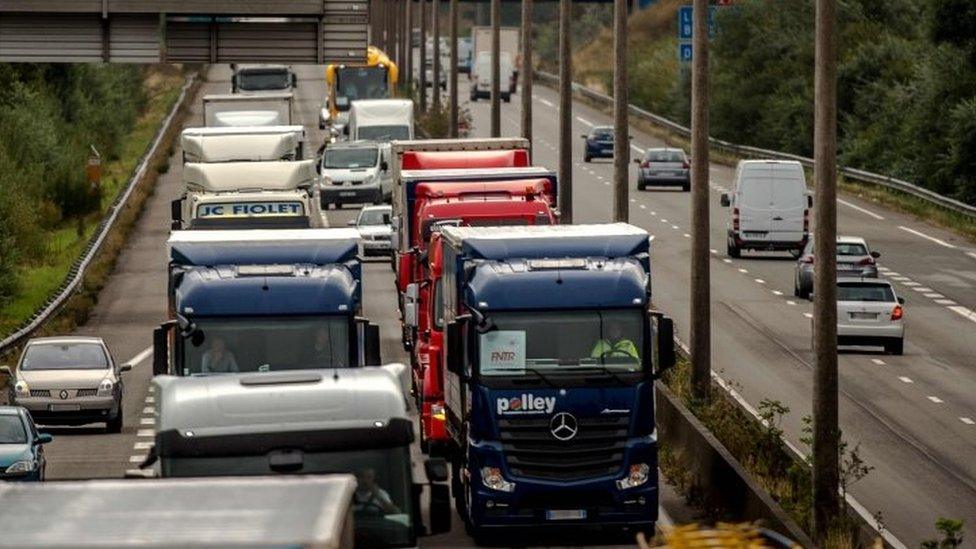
(50, 116)
(906, 85)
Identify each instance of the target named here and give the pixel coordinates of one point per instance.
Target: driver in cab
(615, 345)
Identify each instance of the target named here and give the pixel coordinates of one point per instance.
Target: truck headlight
(492, 478)
(637, 476)
(105, 387)
(21, 389)
(23, 466)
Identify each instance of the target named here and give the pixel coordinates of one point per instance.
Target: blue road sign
(686, 22)
(684, 52)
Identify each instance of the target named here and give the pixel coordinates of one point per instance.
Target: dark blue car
(598, 144)
(21, 446)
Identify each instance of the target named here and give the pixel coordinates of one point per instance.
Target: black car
(599, 143)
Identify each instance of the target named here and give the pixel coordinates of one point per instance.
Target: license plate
(65, 407)
(864, 316)
(566, 514)
(754, 234)
(347, 193)
(845, 266)
(665, 174)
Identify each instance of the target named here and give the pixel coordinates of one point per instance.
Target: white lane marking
(687, 235)
(933, 295)
(148, 410)
(760, 281)
(891, 273)
(584, 121)
(945, 302)
(152, 389)
(547, 103)
(632, 200)
(675, 227)
(790, 302)
(935, 399)
(860, 209)
(878, 361)
(664, 220)
(636, 149)
(899, 278)
(142, 446)
(714, 251)
(643, 207)
(150, 400)
(147, 421)
(143, 355)
(967, 421)
(607, 183)
(726, 260)
(777, 292)
(922, 289)
(808, 315)
(911, 283)
(927, 237)
(138, 473)
(653, 212)
(971, 254)
(146, 433)
(137, 459)
(743, 271)
(884, 269)
(965, 312)
(905, 379)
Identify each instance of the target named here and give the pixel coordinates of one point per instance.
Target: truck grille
(43, 393)
(86, 392)
(532, 451)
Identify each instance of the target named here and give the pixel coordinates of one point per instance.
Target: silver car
(375, 230)
(69, 380)
(663, 168)
(854, 260)
(869, 313)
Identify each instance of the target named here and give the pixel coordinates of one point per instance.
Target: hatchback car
(70, 380)
(869, 313)
(854, 260)
(598, 143)
(375, 230)
(21, 446)
(663, 168)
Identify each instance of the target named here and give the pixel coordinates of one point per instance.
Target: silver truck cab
(212, 512)
(352, 420)
(263, 79)
(243, 144)
(249, 195)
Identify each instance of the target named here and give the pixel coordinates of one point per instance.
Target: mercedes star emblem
(563, 426)
(63, 394)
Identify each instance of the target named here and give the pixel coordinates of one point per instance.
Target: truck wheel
(587, 158)
(507, 97)
(641, 186)
(803, 293)
(114, 425)
(732, 250)
(896, 347)
(686, 187)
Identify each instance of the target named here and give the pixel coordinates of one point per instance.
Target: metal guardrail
(77, 272)
(851, 174)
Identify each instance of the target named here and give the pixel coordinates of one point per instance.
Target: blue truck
(264, 300)
(551, 351)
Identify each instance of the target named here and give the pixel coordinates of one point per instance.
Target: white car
(869, 313)
(375, 229)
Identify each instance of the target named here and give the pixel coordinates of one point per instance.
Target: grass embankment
(63, 244)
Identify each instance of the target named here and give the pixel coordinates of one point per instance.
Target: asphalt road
(913, 416)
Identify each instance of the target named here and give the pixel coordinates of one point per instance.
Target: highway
(912, 415)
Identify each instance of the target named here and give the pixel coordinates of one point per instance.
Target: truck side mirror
(726, 200)
(876, 255)
(176, 212)
(384, 165)
(454, 340)
(809, 201)
(370, 335)
(664, 356)
(294, 80)
(410, 304)
(395, 235)
(161, 347)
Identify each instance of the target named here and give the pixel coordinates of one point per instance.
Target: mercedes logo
(63, 394)
(563, 426)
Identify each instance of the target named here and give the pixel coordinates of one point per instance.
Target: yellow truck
(376, 79)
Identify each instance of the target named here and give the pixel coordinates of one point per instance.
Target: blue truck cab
(551, 352)
(264, 300)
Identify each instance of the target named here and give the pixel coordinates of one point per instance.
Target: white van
(769, 206)
(381, 120)
(481, 76)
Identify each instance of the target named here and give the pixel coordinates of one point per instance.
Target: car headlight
(23, 466)
(21, 389)
(493, 479)
(105, 387)
(638, 475)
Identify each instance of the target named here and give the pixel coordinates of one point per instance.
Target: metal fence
(745, 151)
(77, 272)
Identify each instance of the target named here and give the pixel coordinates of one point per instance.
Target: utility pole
(565, 114)
(435, 23)
(406, 69)
(526, 70)
(453, 80)
(701, 313)
(826, 432)
(621, 126)
(496, 107)
(423, 56)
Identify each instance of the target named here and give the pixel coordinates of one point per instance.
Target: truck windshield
(263, 80)
(361, 83)
(384, 133)
(351, 158)
(264, 344)
(561, 341)
(381, 505)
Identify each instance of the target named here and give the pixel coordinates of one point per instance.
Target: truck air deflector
(556, 241)
(263, 247)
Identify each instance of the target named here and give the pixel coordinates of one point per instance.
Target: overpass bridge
(183, 31)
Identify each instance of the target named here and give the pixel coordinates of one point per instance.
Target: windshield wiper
(539, 374)
(602, 369)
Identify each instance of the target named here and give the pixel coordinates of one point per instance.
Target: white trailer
(380, 120)
(243, 143)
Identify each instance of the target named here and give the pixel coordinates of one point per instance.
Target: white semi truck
(243, 143)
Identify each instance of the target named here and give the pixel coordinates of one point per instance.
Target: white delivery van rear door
(771, 198)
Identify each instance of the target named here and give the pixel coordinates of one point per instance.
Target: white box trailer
(266, 109)
(381, 120)
(307, 511)
(509, 41)
(243, 143)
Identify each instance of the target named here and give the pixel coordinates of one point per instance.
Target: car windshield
(351, 158)
(665, 156)
(847, 248)
(602, 133)
(859, 291)
(12, 430)
(361, 83)
(379, 216)
(267, 344)
(262, 80)
(382, 505)
(399, 132)
(64, 356)
(561, 341)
